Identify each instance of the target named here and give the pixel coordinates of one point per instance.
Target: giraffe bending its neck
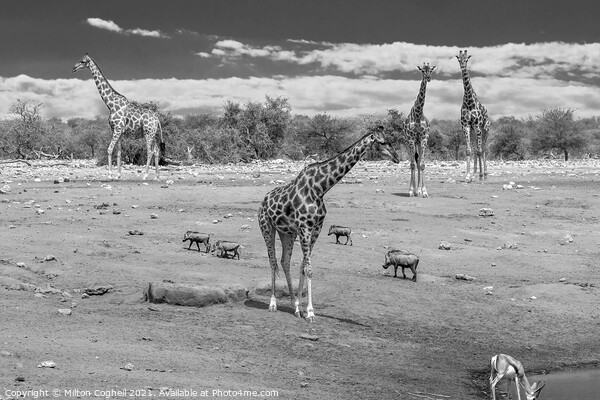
(297, 209)
(415, 135)
(124, 116)
(473, 115)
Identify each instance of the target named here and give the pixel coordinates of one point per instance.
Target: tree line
(265, 130)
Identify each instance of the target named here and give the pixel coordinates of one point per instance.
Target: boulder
(193, 295)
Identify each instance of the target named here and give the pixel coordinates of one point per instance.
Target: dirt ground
(375, 337)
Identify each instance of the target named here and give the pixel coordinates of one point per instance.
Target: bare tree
(25, 131)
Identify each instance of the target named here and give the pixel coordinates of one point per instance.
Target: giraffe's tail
(161, 135)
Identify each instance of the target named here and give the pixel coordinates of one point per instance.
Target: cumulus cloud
(113, 27)
(334, 94)
(537, 60)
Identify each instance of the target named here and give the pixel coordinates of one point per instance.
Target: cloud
(537, 60)
(103, 24)
(333, 94)
(113, 27)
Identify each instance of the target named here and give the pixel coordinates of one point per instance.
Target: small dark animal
(403, 259)
(340, 231)
(197, 237)
(225, 247)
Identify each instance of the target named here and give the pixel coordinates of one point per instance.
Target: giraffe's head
(462, 58)
(381, 143)
(83, 63)
(426, 70)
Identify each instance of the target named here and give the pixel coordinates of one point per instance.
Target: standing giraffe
(473, 115)
(415, 135)
(124, 116)
(297, 209)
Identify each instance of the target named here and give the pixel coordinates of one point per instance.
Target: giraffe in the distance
(298, 210)
(473, 116)
(415, 135)
(124, 116)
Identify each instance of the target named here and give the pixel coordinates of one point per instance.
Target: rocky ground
(72, 278)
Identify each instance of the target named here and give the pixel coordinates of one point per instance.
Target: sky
(344, 58)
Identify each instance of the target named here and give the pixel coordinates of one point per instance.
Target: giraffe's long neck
(110, 96)
(469, 95)
(326, 174)
(416, 112)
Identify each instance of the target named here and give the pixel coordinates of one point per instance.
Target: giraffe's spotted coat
(298, 210)
(473, 116)
(124, 116)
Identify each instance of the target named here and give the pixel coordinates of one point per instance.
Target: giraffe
(298, 210)
(415, 135)
(473, 115)
(124, 116)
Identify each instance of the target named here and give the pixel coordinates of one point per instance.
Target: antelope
(504, 366)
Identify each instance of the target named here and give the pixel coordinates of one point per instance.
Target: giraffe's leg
(485, 173)
(307, 242)
(479, 151)
(287, 247)
(119, 151)
(467, 132)
(413, 165)
(268, 232)
(156, 158)
(422, 149)
(113, 142)
(149, 154)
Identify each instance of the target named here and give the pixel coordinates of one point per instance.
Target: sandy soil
(377, 337)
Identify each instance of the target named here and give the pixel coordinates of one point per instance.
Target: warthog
(197, 237)
(225, 247)
(403, 259)
(340, 231)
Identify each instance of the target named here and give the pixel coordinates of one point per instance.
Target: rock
(533, 298)
(566, 239)
(47, 364)
(486, 212)
(281, 289)
(312, 338)
(64, 311)
(379, 191)
(135, 232)
(562, 280)
(465, 277)
(245, 227)
(193, 295)
(5, 189)
(50, 257)
(444, 246)
(488, 288)
(153, 216)
(97, 291)
(128, 367)
(509, 245)
(39, 211)
(506, 187)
